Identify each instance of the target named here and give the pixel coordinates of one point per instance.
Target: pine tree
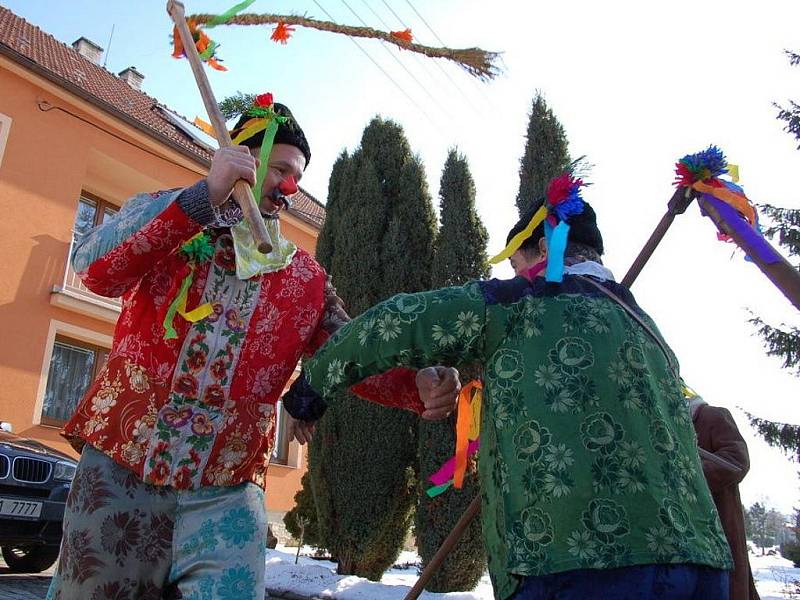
(377, 241)
(460, 256)
(546, 154)
(783, 342)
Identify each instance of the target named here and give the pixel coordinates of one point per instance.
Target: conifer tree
(546, 154)
(460, 256)
(377, 241)
(783, 342)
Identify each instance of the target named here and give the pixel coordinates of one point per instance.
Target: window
(280, 453)
(91, 212)
(5, 127)
(73, 367)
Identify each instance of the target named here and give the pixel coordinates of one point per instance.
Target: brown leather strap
(635, 316)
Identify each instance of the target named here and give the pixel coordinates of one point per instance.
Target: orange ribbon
(737, 201)
(470, 394)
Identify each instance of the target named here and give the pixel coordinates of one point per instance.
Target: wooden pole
(677, 205)
(447, 546)
(241, 190)
(785, 277)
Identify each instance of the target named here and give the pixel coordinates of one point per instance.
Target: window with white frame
(73, 367)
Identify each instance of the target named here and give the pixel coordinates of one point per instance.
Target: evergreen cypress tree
(460, 253)
(363, 458)
(460, 256)
(546, 154)
(326, 241)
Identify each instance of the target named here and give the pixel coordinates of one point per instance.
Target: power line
(416, 12)
(439, 66)
(377, 16)
(418, 60)
(399, 62)
(382, 70)
(475, 83)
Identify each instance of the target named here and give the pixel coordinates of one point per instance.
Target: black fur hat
(288, 133)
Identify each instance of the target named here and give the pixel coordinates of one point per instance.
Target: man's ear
(542, 246)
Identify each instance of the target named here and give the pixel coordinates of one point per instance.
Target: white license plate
(10, 507)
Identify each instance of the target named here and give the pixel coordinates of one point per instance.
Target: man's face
(522, 261)
(286, 164)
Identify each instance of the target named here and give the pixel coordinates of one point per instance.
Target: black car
(34, 482)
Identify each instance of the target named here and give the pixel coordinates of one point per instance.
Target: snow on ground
(774, 577)
(318, 578)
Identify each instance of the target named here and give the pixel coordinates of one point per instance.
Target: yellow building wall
(49, 159)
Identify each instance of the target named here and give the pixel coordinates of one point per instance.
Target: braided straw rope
(477, 62)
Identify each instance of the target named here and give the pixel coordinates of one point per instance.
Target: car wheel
(29, 559)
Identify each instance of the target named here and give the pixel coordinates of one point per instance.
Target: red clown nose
(288, 186)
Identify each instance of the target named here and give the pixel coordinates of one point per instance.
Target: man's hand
(335, 315)
(228, 166)
(438, 389)
(302, 431)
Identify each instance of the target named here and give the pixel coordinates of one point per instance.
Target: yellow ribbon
(254, 126)
(733, 172)
(204, 127)
(523, 235)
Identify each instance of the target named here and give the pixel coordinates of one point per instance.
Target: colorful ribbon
(197, 249)
(468, 429)
(469, 401)
(228, 14)
(523, 235)
(752, 237)
(556, 246)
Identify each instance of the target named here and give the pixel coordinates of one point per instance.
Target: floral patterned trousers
(127, 540)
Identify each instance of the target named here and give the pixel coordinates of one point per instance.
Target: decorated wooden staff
(724, 202)
(241, 191)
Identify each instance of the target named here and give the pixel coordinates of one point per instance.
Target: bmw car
(34, 482)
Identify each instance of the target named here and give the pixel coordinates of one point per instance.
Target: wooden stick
(785, 277)
(447, 546)
(677, 205)
(241, 190)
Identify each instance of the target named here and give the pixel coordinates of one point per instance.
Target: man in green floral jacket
(591, 482)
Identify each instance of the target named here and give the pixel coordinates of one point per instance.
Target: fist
(438, 389)
(228, 166)
(302, 431)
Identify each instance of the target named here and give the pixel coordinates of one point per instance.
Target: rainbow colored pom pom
(708, 164)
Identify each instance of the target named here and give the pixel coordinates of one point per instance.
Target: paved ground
(23, 587)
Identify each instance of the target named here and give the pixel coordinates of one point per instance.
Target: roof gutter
(38, 69)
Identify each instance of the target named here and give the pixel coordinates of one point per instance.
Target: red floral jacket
(199, 409)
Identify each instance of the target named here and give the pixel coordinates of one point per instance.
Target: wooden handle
(241, 190)
(444, 550)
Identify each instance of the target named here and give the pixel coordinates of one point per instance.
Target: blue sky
(636, 85)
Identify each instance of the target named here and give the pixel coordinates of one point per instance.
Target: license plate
(10, 507)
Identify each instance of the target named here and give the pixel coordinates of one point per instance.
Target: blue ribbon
(556, 246)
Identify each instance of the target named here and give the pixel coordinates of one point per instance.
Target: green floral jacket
(588, 456)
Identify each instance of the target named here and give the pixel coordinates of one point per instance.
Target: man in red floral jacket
(177, 431)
